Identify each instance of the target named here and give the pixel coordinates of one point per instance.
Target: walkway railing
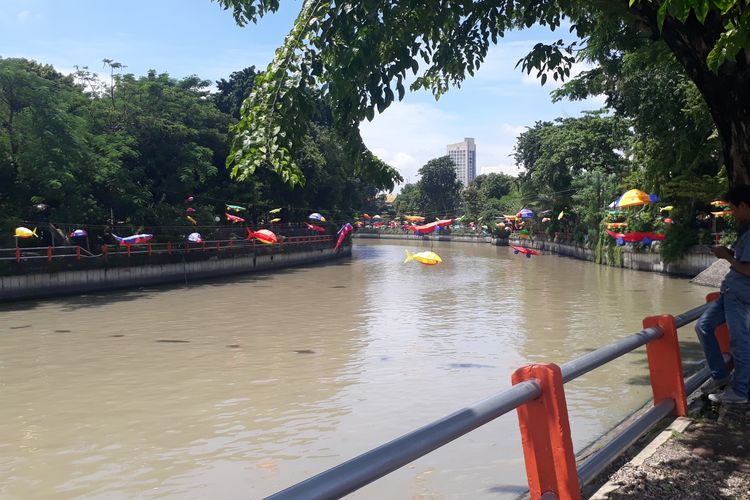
(538, 397)
(51, 253)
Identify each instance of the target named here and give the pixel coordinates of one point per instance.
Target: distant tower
(464, 155)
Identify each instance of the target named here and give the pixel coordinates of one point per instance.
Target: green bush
(678, 240)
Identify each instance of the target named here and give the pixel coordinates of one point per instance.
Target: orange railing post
(18, 254)
(169, 247)
(49, 254)
(78, 253)
(665, 364)
(545, 435)
(722, 331)
(149, 248)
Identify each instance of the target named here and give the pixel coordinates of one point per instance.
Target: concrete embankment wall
(65, 282)
(696, 260)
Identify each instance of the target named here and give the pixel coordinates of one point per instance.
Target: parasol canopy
(525, 213)
(633, 198)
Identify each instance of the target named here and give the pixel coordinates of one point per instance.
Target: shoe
(715, 385)
(728, 397)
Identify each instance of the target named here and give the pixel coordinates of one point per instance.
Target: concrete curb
(679, 425)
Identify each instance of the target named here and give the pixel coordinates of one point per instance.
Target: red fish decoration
(345, 229)
(262, 235)
(234, 218)
(315, 228)
(528, 252)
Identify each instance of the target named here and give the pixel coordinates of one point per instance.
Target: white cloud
(24, 15)
(408, 135)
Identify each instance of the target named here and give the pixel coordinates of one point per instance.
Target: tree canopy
(359, 55)
(133, 148)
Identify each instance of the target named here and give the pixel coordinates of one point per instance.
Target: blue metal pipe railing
(370, 466)
(366, 468)
(584, 364)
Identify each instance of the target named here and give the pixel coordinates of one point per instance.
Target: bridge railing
(538, 396)
(51, 253)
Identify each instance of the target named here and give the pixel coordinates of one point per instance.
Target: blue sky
(184, 37)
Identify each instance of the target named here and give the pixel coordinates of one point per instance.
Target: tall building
(464, 155)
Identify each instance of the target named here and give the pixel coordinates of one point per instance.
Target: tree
(482, 197)
(361, 53)
(44, 142)
(553, 154)
(408, 201)
(673, 133)
(439, 187)
(232, 92)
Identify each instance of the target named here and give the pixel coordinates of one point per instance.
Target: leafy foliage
(134, 148)
(439, 187)
(360, 53)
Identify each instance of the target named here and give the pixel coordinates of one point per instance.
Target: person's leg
(705, 328)
(738, 320)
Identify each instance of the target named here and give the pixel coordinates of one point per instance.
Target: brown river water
(238, 388)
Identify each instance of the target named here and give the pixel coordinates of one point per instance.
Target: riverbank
(693, 263)
(126, 271)
(705, 455)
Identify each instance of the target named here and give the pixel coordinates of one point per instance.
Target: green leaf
(661, 14)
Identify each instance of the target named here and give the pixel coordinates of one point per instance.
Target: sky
(187, 37)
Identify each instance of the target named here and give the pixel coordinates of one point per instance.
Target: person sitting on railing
(732, 308)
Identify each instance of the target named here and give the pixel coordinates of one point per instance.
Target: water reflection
(245, 386)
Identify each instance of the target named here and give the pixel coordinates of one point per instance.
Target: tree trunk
(727, 92)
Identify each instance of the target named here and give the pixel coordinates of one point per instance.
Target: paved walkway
(706, 456)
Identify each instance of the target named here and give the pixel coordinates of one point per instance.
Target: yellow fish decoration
(277, 219)
(427, 258)
(193, 221)
(24, 232)
(668, 208)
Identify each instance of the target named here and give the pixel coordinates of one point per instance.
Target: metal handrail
(371, 465)
(376, 463)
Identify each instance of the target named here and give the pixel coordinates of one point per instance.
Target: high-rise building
(464, 155)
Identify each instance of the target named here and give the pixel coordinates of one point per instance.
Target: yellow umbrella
(633, 198)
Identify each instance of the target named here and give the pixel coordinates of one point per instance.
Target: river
(238, 388)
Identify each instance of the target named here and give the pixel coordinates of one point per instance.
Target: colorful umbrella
(635, 198)
(316, 216)
(525, 213)
(195, 237)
